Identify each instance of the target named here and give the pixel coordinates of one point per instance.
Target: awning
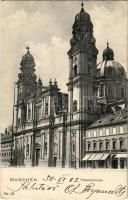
(98, 156)
(87, 156)
(105, 156)
(122, 155)
(92, 157)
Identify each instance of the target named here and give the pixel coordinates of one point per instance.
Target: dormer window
(75, 70)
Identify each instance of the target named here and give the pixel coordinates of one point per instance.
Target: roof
(121, 116)
(105, 66)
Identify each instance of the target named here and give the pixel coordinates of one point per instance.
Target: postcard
(64, 100)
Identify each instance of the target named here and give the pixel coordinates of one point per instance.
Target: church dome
(108, 67)
(82, 29)
(82, 18)
(27, 59)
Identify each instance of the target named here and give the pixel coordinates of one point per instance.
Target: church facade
(51, 126)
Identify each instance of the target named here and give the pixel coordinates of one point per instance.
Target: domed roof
(108, 53)
(110, 69)
(82, 17)
(27, 59)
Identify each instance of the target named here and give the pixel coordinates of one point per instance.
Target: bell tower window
(75, 70)
(75, 106)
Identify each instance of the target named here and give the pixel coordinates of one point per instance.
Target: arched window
(29, 111)
(114, 144)
(18, 121)
(110, 91)
(102, 90)
(89, 104)
(75, 106)
(27, 149)
(45, 144)
(75, 70)
(122, 93)
(19, 96)
(55, 147)
(89, 70)
(46, 108)
(45, 147)
(122, 144)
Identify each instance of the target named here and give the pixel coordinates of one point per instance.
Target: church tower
(25, 85)
(82, 80)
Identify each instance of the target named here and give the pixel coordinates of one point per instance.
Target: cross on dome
(27, 48)
(107, 44)
(82, 4)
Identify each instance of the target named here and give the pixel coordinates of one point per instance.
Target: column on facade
(119, 163)
(48, 145)
(60, 144)
(68, 150)
(42, 146)
(25, 150)
(22, 150)
(98, 91)
(104, 91)
(30, 142)
(77, 149)
(43, 107)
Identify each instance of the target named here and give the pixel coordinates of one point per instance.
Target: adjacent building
(6, 147)
(107, 141)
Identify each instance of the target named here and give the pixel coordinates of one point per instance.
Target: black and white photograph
(64, 100)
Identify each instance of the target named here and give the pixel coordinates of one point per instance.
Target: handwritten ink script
(66, 184)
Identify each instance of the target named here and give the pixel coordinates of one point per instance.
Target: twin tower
(52, 125)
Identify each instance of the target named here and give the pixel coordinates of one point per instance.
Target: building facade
(107, 141)
(51, 127)
(6, 147)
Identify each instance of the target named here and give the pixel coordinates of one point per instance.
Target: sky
(46, 27)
